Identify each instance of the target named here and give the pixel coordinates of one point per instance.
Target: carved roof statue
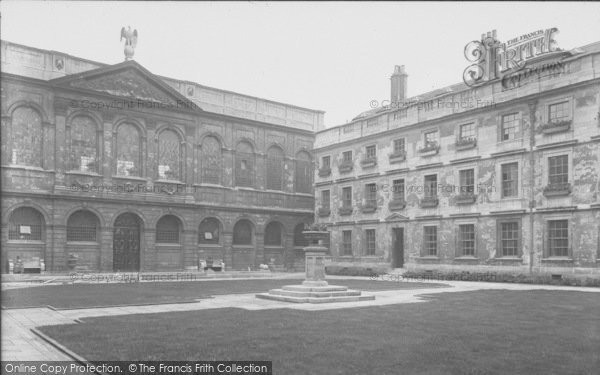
(130, 41)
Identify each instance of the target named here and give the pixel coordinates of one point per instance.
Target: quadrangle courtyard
(414, 328)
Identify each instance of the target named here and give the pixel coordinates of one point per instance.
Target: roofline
(453, 116)
(376, 114)
(102, 65)
(199, 113)
(57, 52)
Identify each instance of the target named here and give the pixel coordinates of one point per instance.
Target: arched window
(168, 229)
(304, 173)
(211, 161)
(26, 145)
(169, 155)
(244, 164)
(25, 224)
(82, 226)
(274, 168)
(243, 233)
(209, 231)
(273, 234)
(299, 239)
(84, 145)
(128, 151)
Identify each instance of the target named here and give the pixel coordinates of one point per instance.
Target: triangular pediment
(125, 80)
(396, 217)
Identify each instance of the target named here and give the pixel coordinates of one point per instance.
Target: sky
(335, 56)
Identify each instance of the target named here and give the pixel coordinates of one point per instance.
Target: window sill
(466, 199)
(215, 245)
(466, 258)
(167, 244)
(207, 184)
(28, 168)
(277, 247)
(465, 146)
(428, 257)
(81, 173)
(427, 153)
(557, 260)
(163, 181)
(135, 178)
(508, 199)
(31, 242)
(79, 243)
(510, 259)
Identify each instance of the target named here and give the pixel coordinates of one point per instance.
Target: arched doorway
(126, 243)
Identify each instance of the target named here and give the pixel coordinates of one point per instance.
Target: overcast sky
(335, 57)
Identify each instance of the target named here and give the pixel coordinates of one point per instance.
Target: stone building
(502, 176)
(114, 168)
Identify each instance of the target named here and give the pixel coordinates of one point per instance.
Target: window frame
(346, 199)
(347, 245)
(219, 231)
(326, 165)
(461, 241)
(371, 194)
(370, 242)
(428, 192)
(347, 160)
(69, 229)
(518, 133)
(371, 152)
(427, 242)
(469, 189)
(160, 240)
(426, 142)
(548, 244)
(568, 113)
(500, 249)
(517, 183)
(398, 194)
(396, 150)
(474, 131)
(326, 192)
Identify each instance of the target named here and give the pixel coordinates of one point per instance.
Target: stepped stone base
(315, 292)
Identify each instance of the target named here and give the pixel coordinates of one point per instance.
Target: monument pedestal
(315, 289)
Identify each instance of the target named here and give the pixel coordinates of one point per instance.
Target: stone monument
(315, 289)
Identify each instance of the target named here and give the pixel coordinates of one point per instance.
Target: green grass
(91, 295)
(482, 332)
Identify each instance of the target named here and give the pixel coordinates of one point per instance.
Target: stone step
(293, 293)
(315, 299)
(304, 288)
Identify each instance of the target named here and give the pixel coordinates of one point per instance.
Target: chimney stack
(398, 92)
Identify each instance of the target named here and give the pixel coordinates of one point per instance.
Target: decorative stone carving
(127, 83)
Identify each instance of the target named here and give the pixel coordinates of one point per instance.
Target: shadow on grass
(482, 332)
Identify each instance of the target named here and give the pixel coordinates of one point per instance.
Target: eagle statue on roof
(130, 41)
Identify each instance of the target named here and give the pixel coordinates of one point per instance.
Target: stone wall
(532, 207)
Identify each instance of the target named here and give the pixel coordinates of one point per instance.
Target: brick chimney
(398, 91)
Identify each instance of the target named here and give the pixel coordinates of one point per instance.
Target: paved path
(19, 343)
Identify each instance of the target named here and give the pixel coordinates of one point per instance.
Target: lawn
(482, 332)
(91, 295)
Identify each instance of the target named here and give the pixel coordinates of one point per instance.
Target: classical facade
(502, 176)
(112, 168)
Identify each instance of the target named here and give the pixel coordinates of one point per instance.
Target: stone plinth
(315, 288)
(315, 265)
